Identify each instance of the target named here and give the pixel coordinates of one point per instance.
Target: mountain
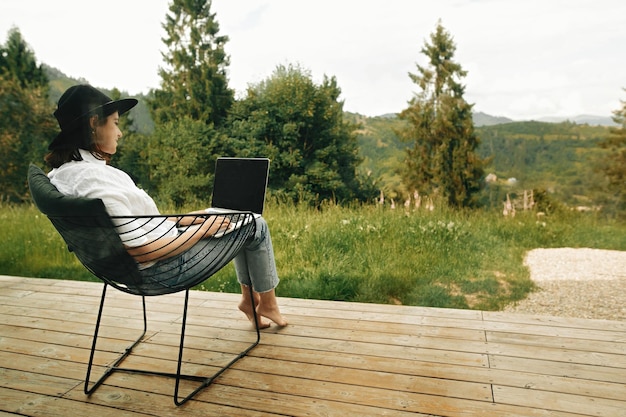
(483, 119)
(582, 119)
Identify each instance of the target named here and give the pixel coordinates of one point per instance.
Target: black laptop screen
(240, 184)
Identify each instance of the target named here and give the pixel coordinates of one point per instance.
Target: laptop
(240, 184)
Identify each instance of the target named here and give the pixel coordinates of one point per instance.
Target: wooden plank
(555, 321)
(556, 342)
(52, 352)
(10, 294)
(45, 366)
(556, 355)
(590, 373)
(82, 313)
(536, 329)
(37, 405)
(7, 280)
(62, 337)
(36, 383)
(93, 290)
(561, 402)
(324, 305)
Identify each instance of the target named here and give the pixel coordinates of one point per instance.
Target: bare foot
(272, 314)
(246, 308)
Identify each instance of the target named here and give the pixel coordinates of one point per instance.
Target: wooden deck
(334, 359)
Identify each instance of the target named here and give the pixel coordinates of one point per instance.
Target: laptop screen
(240, 184)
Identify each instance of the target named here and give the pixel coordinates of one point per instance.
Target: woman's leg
(255, 265)
(245, 305)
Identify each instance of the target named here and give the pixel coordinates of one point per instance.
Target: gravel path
(583, 283)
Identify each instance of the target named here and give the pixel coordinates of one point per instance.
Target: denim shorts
(254, 262)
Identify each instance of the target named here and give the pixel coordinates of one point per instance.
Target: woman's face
(108, 133)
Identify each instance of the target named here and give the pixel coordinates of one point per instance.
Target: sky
(525, 59)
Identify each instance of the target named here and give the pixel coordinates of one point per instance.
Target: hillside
(560, 158)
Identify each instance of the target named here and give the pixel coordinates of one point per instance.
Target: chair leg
(110, 369)
(206, 381)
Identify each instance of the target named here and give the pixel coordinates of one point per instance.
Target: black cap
(76, 104)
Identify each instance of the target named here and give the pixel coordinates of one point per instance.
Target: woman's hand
(193, 217)
(214, 224)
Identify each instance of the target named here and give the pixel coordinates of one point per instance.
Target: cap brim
(122, 105)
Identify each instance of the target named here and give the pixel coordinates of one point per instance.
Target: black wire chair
(94, 237)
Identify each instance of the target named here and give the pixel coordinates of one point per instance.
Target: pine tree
(194, 82)
(18, 61)
(443, 158)
(189, 109)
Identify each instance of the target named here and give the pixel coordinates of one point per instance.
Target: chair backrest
(87, 230)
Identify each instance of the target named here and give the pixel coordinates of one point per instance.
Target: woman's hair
(58, 157)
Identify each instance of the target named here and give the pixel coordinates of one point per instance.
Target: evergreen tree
(189, 109)
(18, 61)
(26, 127)
(193, 82)
(300, 126)
(442, 159)
(614, 165)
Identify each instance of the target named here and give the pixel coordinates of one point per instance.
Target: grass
(443, 258)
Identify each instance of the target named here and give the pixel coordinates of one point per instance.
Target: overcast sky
(525, 58)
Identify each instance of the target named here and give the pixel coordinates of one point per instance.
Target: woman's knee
(260, 233)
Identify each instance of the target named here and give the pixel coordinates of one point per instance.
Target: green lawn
(372, 254)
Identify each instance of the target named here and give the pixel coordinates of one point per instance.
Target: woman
(79, 157)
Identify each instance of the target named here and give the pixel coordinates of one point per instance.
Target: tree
(18, 60)
(194, 82)
(614, 164)
(26, 125)
(300, 126)
(180, 157)
(189, 109)
(442, 159)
